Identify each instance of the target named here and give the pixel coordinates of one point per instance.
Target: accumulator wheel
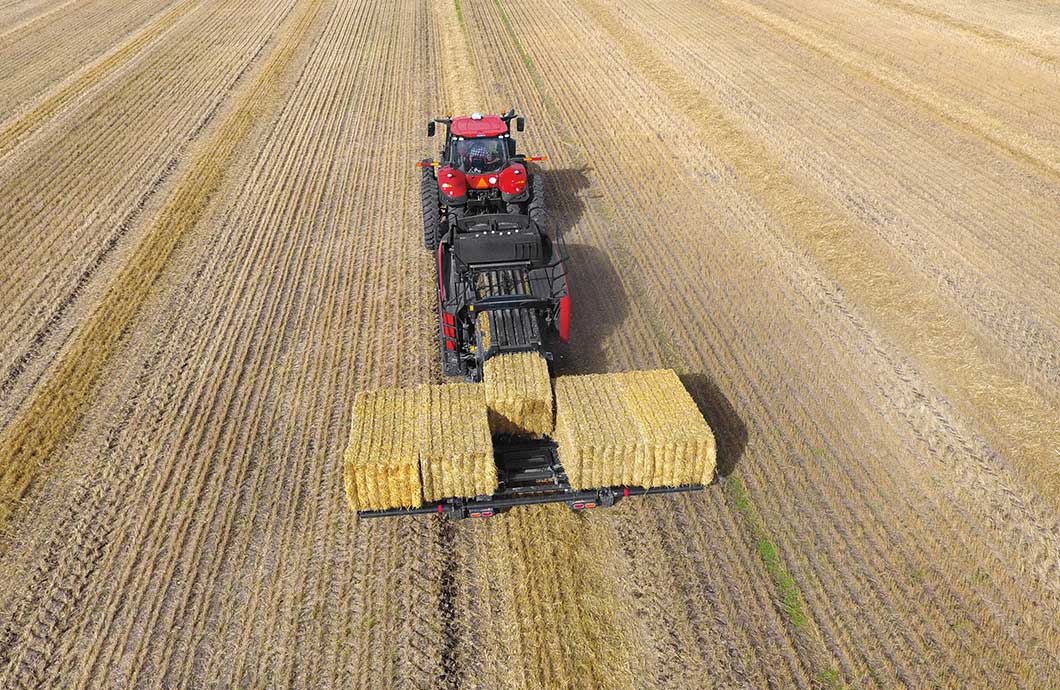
(536, 206)
(431, 209)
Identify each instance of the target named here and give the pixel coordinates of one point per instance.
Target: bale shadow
(729, 430)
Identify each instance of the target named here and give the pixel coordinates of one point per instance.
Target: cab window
(479, 156)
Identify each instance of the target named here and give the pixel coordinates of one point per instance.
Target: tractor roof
(483, 126)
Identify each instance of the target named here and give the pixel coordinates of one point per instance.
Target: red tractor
(502, 281)
(478, 171)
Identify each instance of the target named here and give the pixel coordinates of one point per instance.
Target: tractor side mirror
(430, 128)
(519, 124)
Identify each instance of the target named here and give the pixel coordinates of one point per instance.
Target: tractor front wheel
(431, 209)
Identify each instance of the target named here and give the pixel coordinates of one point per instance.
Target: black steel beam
(497, 504)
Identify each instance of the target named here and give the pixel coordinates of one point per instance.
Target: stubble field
(839, 221)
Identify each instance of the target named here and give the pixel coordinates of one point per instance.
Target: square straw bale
(597, 444)
(639, 428)
(382, 468)
(483, 329)
(518, 394)
(680, 447)
(453, 438)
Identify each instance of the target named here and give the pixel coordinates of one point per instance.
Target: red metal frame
(564, 316)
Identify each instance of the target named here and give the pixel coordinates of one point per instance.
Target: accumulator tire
(431, 209)
(535, 208)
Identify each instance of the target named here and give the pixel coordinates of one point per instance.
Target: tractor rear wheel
(535, 208)
(431, 209)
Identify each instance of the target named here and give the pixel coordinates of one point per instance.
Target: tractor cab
(486, 131)
(479, 156)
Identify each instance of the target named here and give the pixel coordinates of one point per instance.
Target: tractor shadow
(599, 307)
(729, 430)
(565, 191)
(599, 304)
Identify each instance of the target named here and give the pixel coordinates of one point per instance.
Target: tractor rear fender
(513, 183)
(453, 185)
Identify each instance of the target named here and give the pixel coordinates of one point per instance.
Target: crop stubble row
(1029, 31)
(599, 51)
(15, 15)
(34, 64)
(88, 667)
(323, 506)
(990, 237)
(321, 481)
(108, 157)
(1016, 416)
(287, 609)
(54, 408)
(242, 520)
(201, 377)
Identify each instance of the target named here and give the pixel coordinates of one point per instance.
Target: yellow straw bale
(453, 437)
(681, 447)
(382, 463)
(518, 394)
(484, 330)
(596, 443)
(639, 428)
